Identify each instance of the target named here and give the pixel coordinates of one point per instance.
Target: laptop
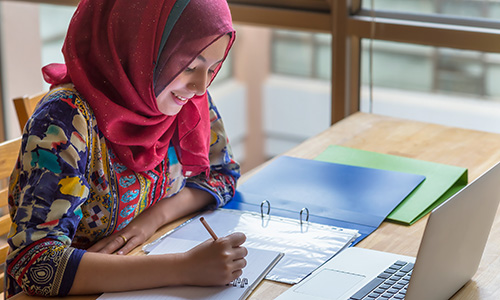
(449, 254)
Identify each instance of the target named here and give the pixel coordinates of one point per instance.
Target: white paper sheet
(258, 264)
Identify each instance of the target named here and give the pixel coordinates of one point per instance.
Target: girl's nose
(199, 84)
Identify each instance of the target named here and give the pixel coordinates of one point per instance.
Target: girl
(126, 140)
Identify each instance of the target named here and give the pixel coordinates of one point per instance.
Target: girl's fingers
(236, 274)
(98, 246)
(237, 239)
(109, 245)
(129, 246)
(239, 264)
(114, 244)
(240, 252)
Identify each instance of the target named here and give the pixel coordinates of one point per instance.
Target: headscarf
(120, 54)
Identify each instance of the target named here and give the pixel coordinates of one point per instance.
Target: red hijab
(120, 54)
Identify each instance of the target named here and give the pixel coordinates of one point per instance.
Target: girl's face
(193, 81)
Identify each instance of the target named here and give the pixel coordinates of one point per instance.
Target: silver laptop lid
(454, 239)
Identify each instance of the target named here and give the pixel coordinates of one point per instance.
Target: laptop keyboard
(390, 284)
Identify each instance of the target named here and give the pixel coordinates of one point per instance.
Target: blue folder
(334, 194)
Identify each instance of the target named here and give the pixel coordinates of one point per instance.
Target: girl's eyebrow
(203, 59)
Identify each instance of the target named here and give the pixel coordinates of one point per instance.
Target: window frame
(349, 24)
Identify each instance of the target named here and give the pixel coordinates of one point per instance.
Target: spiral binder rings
(240, 282)
(327, 193)
(305, 245)
(268, 205)
(309, 210)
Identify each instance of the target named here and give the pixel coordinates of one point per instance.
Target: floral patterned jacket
(68, 190)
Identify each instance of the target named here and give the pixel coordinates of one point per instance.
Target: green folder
(442, 181)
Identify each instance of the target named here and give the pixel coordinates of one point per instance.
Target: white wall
(21, 57)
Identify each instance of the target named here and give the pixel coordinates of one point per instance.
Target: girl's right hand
(215, 262)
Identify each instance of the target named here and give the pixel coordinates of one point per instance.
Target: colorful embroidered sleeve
(224, 170)
(47, 188)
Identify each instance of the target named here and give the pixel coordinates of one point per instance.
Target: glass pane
(460, 71)
(415, 6)
(324, 62)
(446, 86)
(467, 8)
(492, 76)
(292, 53)
(54, 21)
(323, 55)
(296, 98)
(398, 65)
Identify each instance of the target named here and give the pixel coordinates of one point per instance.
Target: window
(416, 66)
(444, 85)
(54, 21)
(440, 85)
(461, 8)
(302, 54)
(429, 69)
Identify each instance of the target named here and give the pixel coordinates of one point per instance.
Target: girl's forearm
(211, 263)
(98, 273)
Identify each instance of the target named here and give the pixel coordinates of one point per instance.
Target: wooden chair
(25, 107)
(8, 156)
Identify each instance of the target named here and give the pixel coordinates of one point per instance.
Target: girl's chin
(170, 111)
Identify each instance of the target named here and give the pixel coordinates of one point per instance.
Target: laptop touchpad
(333, 283)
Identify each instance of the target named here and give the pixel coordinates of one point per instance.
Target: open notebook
(259, 263)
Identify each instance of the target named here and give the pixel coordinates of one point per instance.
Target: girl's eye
(188, 69)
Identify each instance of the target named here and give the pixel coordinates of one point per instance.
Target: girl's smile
(193, 81)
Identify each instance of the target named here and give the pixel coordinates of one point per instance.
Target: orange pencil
(212, 233)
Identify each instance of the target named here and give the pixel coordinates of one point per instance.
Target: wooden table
(474, 150)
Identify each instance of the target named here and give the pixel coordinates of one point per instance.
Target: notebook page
(259, 262)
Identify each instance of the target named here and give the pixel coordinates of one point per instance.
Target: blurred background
(291, 74)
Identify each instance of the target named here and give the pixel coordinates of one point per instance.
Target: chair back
(8, 156)
(25, 106)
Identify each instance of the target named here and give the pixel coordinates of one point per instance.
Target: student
(127, 140)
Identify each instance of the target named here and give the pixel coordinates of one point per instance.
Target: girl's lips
(179, 99)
